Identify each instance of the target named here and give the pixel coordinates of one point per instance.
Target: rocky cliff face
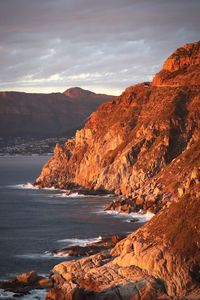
(140, 145)
(39, 115)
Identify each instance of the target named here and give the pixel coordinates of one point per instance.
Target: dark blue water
(33, 221)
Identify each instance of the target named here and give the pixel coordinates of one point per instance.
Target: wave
(5, 294)
(30, 186)
(80, 242)
(24, 186)
(77, 195)
(140, 216)
(58, 254)
(72, 195)
(35, 295)
(45, 255)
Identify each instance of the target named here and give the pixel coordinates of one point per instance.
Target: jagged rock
(195, 174)
(24, 283)
(29, 277)
(78, 251)
(139, 201)
(180, 191)
(156, 191)
(133, 220)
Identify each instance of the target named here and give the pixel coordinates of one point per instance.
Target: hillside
(40, 115)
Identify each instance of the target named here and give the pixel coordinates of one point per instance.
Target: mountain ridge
(39, 115)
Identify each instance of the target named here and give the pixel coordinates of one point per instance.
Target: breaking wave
(30, 186)
(72, 195)
(34, 256)
(24, 186)
(5, 294)
(80, 242)
(140, 217)
(77, 195)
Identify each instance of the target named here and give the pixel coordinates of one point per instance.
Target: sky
(101, 45)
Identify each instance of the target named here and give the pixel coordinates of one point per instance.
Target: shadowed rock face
(39, 115)
(143, 145)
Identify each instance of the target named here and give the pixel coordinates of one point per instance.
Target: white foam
(53, 188)
(35, 294)
(72, 195)
(24, 186)
(45, 255)
(80, 242)
(30, 186)
(59, 253)
(141, 216)
(5, 294)
(77, 195)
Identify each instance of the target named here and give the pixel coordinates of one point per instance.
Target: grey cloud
(89, 42)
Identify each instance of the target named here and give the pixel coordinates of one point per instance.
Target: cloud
(102, 44)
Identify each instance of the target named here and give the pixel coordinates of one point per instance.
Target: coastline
(76, 250)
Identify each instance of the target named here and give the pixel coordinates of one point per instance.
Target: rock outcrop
(104, 243)
(181, 68)
(24, 283)
(144, 146)
(40, 115)
(136, 145)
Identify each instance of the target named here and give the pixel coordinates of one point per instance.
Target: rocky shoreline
(23, 284)
(104, 243)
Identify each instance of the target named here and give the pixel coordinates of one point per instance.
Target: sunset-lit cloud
(105, 45)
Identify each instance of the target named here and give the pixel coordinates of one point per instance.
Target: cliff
(136, 144)
(40, 115)
(144, 146)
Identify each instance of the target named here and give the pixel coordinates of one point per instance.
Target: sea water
(34, 221)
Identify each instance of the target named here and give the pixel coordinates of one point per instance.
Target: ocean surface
(35, 221)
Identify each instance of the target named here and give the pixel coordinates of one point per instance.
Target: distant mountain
(40, 115)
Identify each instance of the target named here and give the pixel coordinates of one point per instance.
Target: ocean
(35, 221)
